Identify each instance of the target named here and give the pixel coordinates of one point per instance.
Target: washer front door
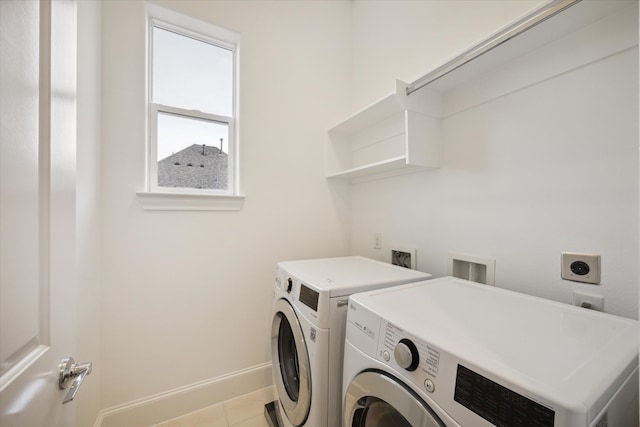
(291, 371)
(375, 399)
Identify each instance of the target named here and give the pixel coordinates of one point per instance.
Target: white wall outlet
(583, 268)
(587, 300)
(377, 241)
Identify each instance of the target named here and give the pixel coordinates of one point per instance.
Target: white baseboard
(175, 403)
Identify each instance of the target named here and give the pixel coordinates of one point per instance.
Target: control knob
(406, 355)
(289, 285)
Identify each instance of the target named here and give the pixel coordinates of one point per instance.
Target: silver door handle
(72, 373)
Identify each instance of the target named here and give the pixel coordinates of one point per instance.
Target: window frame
(165, 19)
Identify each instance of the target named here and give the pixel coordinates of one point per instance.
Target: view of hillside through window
(193, 94)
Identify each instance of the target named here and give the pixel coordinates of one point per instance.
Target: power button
(429, 385)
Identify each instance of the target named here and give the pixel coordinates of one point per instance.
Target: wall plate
(587, 300)
(473, 268)
(579, 267)
(403, 256)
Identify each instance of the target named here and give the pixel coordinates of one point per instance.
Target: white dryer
(307, 334)
(448, 352)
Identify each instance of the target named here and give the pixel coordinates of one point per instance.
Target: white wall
(187, 295)
(548, 168)
(88, 224)
(404, 40)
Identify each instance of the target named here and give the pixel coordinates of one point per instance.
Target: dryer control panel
(408, 352)
(437, 373)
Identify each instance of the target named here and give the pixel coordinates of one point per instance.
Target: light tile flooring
(243, 411)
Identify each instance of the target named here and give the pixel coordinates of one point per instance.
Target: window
(192, 147)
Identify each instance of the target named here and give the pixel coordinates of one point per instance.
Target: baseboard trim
(180, 401)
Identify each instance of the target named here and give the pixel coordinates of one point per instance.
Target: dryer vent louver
(473, 268)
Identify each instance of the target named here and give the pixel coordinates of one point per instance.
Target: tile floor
(243, 411)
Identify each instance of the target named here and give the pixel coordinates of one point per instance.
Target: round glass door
(378, 413)
(288, 357)
(290, 364)
(375, 399)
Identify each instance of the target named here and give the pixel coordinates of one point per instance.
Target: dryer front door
(291, 371)
(375, 399)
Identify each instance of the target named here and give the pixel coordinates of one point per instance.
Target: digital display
(497, 404)
(309, 297)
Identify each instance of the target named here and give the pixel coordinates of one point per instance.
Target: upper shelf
(400, 133)
(390, 136)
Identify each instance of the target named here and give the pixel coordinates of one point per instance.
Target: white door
(291, 368)
(37, 209)
(377, 399)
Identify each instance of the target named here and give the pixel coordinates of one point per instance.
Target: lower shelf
(389, 167)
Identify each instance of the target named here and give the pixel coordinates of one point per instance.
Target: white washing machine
(448, 352)
(307, 334)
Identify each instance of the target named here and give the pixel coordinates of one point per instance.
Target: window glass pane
(192, 153)
(191, 74)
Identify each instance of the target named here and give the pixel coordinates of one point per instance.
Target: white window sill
(189, 202)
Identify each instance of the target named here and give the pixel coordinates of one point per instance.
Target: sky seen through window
(192, 75)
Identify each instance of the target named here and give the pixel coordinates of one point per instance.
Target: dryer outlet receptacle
(583, 268)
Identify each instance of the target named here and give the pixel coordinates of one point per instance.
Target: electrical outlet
(583, 268)
(377, 241)
(587, 300)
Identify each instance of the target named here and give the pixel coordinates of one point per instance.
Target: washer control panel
(287, 285)
(309, 301)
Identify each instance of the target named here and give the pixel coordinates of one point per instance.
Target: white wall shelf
(400, 133)
(392, 136)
